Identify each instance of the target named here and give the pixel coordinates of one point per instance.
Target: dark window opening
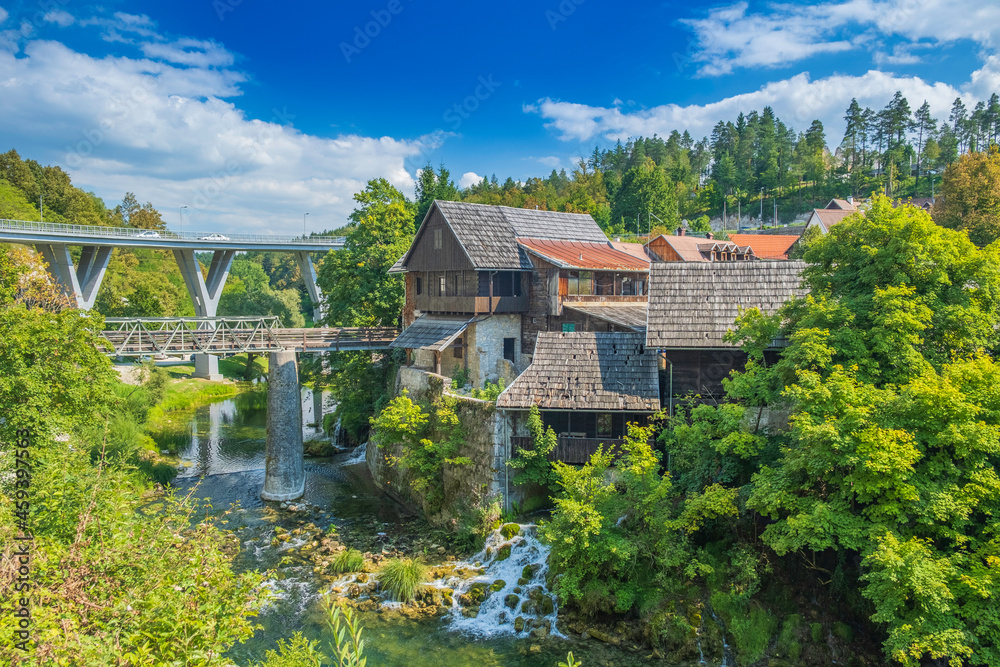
(505, 283)
(508, 349)
(604, 424)
(420, 285)
(458, 348)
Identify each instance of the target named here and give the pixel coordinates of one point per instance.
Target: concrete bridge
(83, 279)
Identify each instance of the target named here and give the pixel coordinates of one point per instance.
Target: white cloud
(469, 179)
(60, 17)
(547, 161)
(3, 14)
(193, 52)
(797, 101)
(731, 37)
(167, 132)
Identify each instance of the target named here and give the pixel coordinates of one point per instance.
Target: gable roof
(587, 371)
(696, 248)
(766, 246)
(584, 255)
(488, 234)
(841, 204)
(828, 217)
(692, 305)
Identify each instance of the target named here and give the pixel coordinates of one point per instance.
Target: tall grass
(350, 560)
(401, 577)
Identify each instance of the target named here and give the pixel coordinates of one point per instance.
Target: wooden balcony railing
(570, 450)
(471, 304)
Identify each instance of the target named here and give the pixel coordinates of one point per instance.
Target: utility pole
(762, 208)
(41, 207)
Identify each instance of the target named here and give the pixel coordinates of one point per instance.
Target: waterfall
(510, 595)
(358, 455)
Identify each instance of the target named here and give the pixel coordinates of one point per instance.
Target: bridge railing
(27, 226)
(155, 335)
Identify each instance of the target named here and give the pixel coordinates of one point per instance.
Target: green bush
(350, 560)
(816, 632)
(401, 577)
(490, 391)
(460, 378)
(752, 633)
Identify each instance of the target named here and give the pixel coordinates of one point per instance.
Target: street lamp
(762, 208)
(304, 224)
(180, 215)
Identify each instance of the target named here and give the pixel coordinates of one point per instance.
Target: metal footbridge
(150, 336)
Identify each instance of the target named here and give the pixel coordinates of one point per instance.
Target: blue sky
(252, 114)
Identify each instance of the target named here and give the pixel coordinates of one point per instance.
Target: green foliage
(970, 196)
(348, 647)
(349, 560)
(460, 378)
(490, 391)
(427, 440)
(570, 661)
(533, 464)
(401, 578)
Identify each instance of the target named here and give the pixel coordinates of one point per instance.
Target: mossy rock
(317, 448)
(479, 591)
(522, 582)
(529, 571)
(362, 578)
(509, 530)
(842, 631)
(503, 553)
(519, 624)
(528, 607)
(498, 585)
(511, 601)
(816, 632)
(548, 606)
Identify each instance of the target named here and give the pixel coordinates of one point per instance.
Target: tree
(644, 193)
(970, 197)
(431, 186)
(924, 125)
(130, 214)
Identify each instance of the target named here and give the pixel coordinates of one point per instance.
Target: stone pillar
(284, 478)
(205, 295)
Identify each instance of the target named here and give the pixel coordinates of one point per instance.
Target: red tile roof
(766, 246)
(584, 255)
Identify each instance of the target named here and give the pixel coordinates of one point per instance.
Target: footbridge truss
(150, 336)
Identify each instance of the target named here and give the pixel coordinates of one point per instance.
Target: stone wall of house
(465, 486)
(486, 347)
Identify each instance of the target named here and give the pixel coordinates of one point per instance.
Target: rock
(498, 585)
(519, 624)
(362, 578)
(540, 633)
(503, 553)
(509, 530)
(534, 648)
(529, 571)
(441, 551)
(601, 636)
(522, 582)
(511, 601)
(548, 606)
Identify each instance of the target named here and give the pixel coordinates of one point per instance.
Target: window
(508, 349)
(438, 239)
(603, 424)
(580, 282)
(569, 327)
(628, 286)
(457, 348)
(441, 286)
(420, 285)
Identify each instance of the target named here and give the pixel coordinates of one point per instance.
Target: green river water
(224, 459)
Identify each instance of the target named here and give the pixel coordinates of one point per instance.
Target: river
(223, 460)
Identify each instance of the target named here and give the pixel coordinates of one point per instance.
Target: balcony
(476, 305)
(596, 298)
(571, 449)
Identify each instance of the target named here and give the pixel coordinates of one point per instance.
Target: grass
(401, 577)
(350, 560)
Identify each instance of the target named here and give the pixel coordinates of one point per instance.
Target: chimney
(710, 236)
(850, 200)
(681, 231)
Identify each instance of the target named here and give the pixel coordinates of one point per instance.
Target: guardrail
(144, 234)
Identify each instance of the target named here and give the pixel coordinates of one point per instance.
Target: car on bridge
(148, 234)
(215, 237)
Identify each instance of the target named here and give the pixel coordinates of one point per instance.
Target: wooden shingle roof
(587, 371)
(431, 332)
(693, 304)
(628, 315)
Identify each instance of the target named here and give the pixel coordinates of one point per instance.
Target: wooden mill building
(483, 281)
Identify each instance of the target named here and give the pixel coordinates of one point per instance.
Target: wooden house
(766, 246)
(834, 212)
(684, 248)
(482, 281)
(588, 386)
(691, 307)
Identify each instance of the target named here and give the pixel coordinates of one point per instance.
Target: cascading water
(510, 596)
(358, 455)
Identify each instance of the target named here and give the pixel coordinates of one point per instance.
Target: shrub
(490, 391)
(401, 577)
(350, 560)
(460, 379)
(752, 633)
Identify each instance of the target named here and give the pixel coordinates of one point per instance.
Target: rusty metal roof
(766, 246)
(584, 255)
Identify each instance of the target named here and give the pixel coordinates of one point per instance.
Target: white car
(215, 237)
(148, 234)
